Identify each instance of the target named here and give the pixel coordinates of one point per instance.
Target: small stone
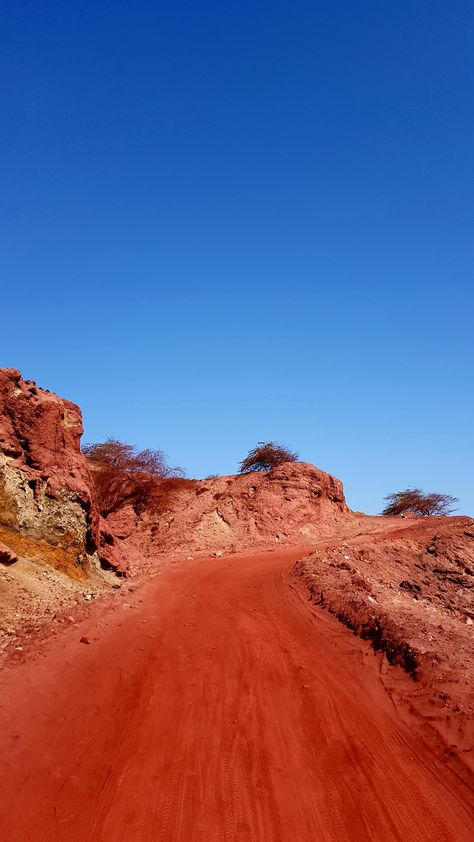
(410, 586)
(468, 621)
(7, 556)
(85, 640)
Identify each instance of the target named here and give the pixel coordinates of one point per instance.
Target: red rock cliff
(47, 508)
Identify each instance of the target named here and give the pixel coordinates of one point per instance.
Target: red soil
(217, 705)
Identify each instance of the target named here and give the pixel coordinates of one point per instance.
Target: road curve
(215, 705)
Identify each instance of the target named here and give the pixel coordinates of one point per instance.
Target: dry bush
(266, 456)
(124, 474)
(416, 502)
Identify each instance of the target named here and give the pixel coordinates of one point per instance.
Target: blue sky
(228, 222)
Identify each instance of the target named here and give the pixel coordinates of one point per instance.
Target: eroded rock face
(295, 503)
(111, 554)
(47, 508)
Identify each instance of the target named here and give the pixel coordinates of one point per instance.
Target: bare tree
(266, 456)
(122, 473)
(416, 502)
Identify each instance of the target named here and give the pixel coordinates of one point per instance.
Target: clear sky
(223, 222)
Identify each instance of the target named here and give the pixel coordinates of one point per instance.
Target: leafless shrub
(266, 456)
(124, 474)
(416, 502)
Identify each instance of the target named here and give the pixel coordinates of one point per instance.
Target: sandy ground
(36, 600)
(217, 704)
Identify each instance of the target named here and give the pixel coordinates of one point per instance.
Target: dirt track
(215, 705)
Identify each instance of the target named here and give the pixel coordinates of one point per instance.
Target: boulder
(7, 556)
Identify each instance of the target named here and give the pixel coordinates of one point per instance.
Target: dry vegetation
(122, 474)
(266, 456)
(413, 501)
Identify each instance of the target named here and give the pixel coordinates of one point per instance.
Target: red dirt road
(215, 705)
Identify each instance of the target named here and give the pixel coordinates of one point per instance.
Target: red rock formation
(296, 503)
(47, 507)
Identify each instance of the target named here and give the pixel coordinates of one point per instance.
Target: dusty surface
(410, 590)
(36, 599)
(216, 704)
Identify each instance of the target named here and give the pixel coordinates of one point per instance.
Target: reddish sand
(216, 705)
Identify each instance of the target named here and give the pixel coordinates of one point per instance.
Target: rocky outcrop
(111, 552)
(296, 503)
(7, 556)
(47, 508)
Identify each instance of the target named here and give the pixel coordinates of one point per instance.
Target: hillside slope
(292, 505)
